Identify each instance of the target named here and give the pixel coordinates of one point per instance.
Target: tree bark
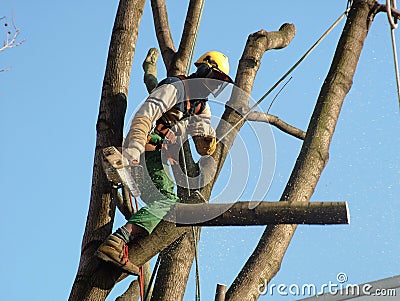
(90, 282)
(163, 31)
(188, 39)
(261, 213)
(265, 261)
(174, 270)
(220, 292)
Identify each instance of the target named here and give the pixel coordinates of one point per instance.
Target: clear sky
(49, 103)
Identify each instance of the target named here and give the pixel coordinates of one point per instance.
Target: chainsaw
(120, 172)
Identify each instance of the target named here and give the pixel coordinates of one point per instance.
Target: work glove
(137, 174)
(198, 127)
(131, 154)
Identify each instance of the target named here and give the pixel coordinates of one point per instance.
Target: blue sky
(49, 103)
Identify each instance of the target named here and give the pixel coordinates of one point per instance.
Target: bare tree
(95, 279)
(11, 39)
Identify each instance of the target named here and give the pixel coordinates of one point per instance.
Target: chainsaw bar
(117, 170)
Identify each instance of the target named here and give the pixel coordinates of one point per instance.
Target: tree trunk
(265, 261)
(90, 283)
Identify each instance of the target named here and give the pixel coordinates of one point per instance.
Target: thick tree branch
(177, 259)
(163, 32)
(257, 44)
(276, 121)
(261, 213)
(94, 280)
(188, 39)
(265, 261)
(174, 269)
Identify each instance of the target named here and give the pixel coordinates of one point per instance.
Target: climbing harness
(393, 25)
(306, 54)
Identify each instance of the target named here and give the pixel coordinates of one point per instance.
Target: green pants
(157, 192)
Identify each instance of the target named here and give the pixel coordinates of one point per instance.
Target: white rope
(393, 25)
(389, 5)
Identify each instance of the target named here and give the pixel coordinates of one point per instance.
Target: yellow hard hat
(217, 61)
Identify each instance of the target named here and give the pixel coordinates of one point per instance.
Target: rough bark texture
(261, 213)
(132, 293)
(163, 32)
(188, 39)
(265, 261)
(174, 269)
(220, 292)
(92, 282)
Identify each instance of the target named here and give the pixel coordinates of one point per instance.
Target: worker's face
(214, 83)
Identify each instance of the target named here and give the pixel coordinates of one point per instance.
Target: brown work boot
(115, 250)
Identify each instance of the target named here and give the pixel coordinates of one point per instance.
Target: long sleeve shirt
(162, 102)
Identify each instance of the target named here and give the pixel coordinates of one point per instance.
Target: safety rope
(393, 25)
(306, 54)
(194, 229)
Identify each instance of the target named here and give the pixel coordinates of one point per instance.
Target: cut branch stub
(279, 123)
(150, 69)
(163, 32)
(258, 43)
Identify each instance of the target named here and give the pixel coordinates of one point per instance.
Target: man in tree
(177, 107)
